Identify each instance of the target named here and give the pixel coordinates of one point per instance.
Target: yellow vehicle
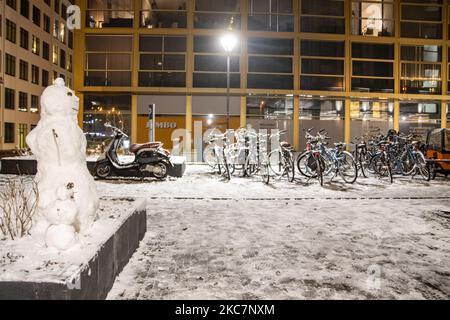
(438, 151)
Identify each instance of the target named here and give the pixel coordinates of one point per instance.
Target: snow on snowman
(68, 200)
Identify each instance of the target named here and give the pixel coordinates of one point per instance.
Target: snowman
(68, 200)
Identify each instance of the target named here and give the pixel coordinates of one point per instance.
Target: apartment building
(35, 48)
(348, 66)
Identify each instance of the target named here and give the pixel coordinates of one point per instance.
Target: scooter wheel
(103, 171)
(160, 171)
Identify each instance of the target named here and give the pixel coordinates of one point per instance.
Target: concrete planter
(94, 279)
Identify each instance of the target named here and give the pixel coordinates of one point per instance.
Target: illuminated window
(55, 57)
(109, 13)
(373, 18)
(163, 14)
(36, 45)
(421, 69)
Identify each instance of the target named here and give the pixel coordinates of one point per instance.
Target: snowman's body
(60, 149)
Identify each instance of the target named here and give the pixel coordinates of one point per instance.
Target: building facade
(35, 48)
(351, 67)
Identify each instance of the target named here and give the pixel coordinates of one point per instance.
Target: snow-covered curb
(109, 244)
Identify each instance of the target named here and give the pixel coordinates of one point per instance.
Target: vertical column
(134, 118)
(444, 108)
(444, 73)
(347, 120)
(243, 44)
(78, 61)
(296, 123)
(189, 75)
(137, 13)
(243, 113)
(135, 72)
(188, 143)
(135, 62)
(396, 115)
(80, 115)
(190, 44)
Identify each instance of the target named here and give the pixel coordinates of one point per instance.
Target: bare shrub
(18, 204)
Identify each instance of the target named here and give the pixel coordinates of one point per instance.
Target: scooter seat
(149, 145)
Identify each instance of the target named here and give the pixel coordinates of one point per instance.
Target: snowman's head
(58, 100)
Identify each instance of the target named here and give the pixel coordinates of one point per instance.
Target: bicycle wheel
(303, 165)
(209, 156)
(423, 167)
(250, 166)
(264, 172)
(383, 168)
(290, 168)
(407, 164)
(277, 163)
(319, 169)
(348, 168)
(363, 164)
(226, 168)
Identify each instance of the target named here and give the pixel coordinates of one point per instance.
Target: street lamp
(228, 42)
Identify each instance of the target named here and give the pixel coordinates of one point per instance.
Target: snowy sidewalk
(351, 242)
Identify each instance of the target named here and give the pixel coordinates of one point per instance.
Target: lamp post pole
(228, 90)
(228, 42)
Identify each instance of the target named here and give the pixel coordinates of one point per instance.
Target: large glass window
(162, 61)
(372, 67)
(10, 31)
(417, 117)
(270, 15)
(271, 113)
(421, 19)
(23, 101)
(322, 65)
(163, 14)
(270, 63)
(10, 99)
(109, 13)
(373, 18)
(421, 69)
(108, 60)
(370, 118)
(10, 132)
(217, 14)
(210, 64)
(99, 109)
(325, 16)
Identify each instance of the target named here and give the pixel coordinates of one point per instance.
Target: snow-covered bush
(18, 204)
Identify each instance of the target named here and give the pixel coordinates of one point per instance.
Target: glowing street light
(228, 42)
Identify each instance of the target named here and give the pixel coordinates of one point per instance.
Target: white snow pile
(26, 259)
(68, 198)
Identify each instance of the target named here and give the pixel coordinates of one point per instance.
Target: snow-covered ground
(210, 239)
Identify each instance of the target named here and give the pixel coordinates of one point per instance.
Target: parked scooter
(151, 160)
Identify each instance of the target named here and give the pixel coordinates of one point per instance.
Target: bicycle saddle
(339, 144)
